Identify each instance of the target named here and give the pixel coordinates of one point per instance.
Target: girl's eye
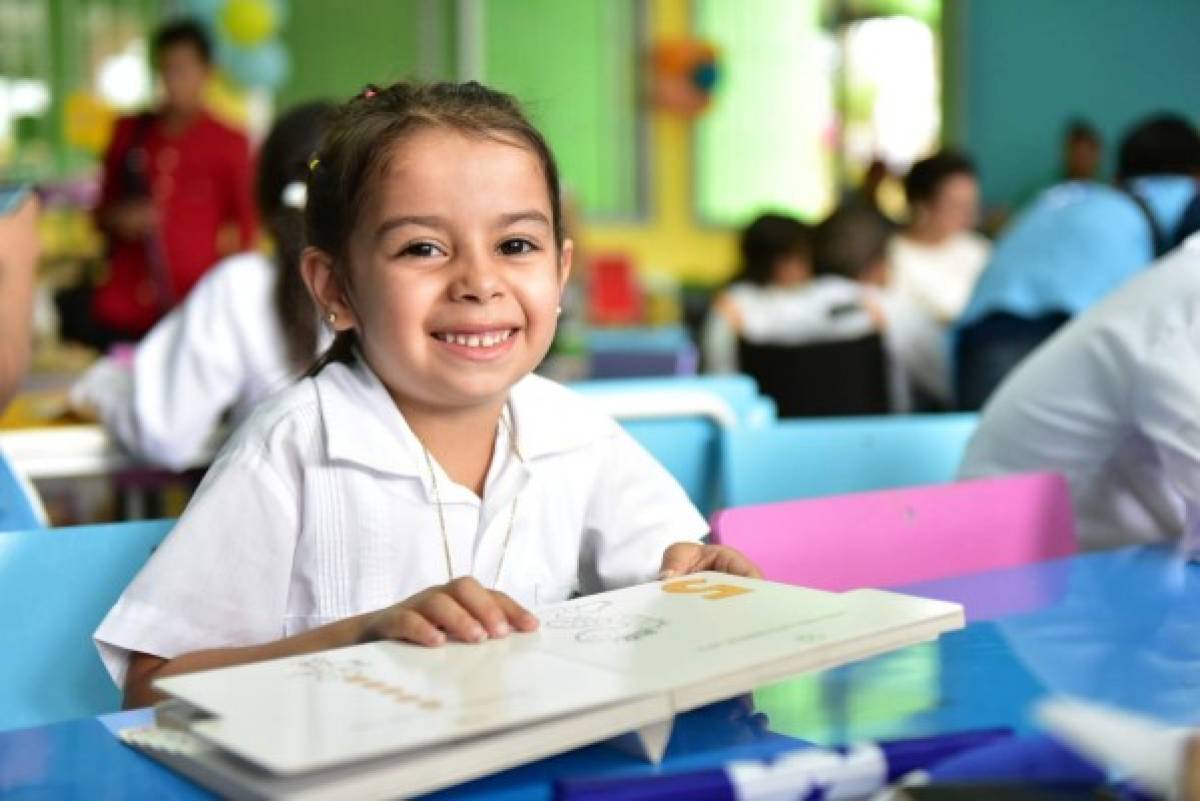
(423, 250)
(517, 247)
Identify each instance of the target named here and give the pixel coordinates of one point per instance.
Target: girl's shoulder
(553, 417)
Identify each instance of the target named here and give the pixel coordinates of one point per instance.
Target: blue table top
(1117, 627)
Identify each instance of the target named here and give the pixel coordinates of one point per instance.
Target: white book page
(307, 712)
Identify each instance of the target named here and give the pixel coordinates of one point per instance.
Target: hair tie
(294, 195)
(369, 91)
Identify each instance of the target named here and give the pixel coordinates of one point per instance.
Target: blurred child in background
(248, 329)
(776, 300)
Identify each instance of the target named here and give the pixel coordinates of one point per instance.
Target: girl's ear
(565, 256)
(316, 266)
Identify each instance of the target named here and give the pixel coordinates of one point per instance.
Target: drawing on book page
(596, 622)
(323, 669)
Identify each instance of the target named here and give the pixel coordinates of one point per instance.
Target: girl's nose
(477, 280)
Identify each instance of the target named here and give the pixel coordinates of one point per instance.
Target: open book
(388, 719)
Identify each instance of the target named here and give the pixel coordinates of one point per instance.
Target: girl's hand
(462, 610)
(692, 557)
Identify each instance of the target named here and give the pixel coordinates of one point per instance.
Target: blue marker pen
(811, 773)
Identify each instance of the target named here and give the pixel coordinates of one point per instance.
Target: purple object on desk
(803, 772)
(1034, 758)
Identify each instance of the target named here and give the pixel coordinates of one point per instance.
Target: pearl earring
(558, 310)
(331, 317)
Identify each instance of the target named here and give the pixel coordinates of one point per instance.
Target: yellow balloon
(89, 122)
(248, 22)
(227, 101)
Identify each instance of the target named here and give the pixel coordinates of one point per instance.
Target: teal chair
(56, 585)
(681, 419)
(813, 457)
(20, 507)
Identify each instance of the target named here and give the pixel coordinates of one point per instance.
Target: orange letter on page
(701, 587)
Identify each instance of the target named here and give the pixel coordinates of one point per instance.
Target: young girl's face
(455, 277)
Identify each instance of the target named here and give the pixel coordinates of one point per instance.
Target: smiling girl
(421, 484)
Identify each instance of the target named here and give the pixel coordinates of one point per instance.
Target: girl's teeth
(476, 340)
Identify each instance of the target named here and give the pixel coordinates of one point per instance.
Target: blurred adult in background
(934, 263)
(869, 193)
(937, 258)
(248, 329)
(1083, 150)
(1072, 246)
(1111, 402)
(18, 261)
(175, 197)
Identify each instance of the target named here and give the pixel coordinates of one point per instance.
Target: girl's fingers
(680, 559)
(727, 560)
(691, 557)
(482, 605)
(407, 625)
(518, 616)
(444, 611)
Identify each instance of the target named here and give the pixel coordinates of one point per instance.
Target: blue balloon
(203, 10)
(262, 67)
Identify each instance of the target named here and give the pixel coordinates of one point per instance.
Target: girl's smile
(477, 342)
(454, 273)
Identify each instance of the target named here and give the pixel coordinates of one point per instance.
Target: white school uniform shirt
(1112, 402)
(222, 351)
(938, 278)
(832, 308)
(825, 309)
(321, 507)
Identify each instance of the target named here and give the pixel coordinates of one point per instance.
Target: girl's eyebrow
(527, 215)
(428, 221)
(433, 221)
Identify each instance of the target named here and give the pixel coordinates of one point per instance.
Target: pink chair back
(901, 536)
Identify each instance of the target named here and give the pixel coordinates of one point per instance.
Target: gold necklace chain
(441, 516)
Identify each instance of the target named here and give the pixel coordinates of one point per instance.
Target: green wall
(338, 47)
(574, 64)
(1029, 65)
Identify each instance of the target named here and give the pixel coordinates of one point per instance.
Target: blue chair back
(17, 510)
(686, 442)
(740, 392)
(643, 338)
(56, 585)
(632, 352)
(808, 458)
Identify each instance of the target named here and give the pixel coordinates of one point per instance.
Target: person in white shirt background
(938, 257)
(1111, 401)
(247, 330)
(935, 261)
(421, 484)
(779, 299)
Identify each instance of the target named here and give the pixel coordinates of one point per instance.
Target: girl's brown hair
(283, 160)
(357, 147)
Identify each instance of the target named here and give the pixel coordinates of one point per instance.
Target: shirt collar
(362, 424)
(361, 421)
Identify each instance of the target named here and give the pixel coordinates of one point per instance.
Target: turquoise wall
(1030, 65)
